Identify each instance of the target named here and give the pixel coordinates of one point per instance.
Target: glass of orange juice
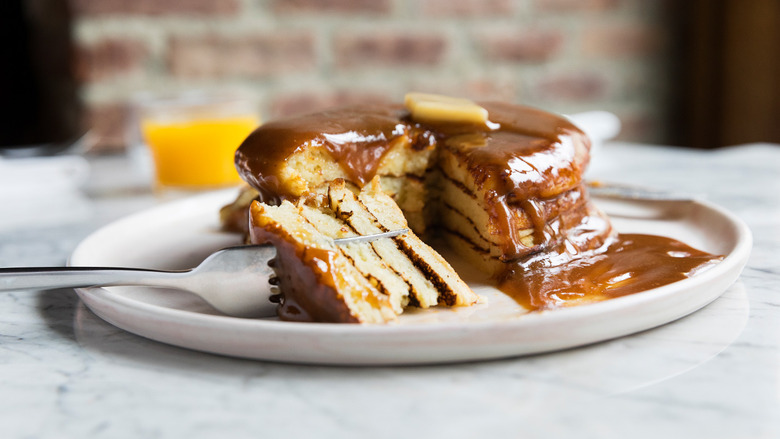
(192, 138)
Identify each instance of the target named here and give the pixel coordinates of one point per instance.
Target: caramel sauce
(356, 137)
(522, 150)
(308, 283)
(306, 276)
(519, 160)
(523, 158)
(631, 263)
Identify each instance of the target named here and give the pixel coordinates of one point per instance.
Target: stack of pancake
(499, 182)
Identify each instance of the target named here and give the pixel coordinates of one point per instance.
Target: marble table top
(716, 373)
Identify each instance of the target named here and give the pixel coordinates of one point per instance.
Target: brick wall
(298, 55)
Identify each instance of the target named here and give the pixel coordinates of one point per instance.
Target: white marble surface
(715, 374)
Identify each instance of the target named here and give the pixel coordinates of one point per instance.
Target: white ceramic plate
(179, 235)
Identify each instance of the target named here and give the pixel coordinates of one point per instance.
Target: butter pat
(426, 107)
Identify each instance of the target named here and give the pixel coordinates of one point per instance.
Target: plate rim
(731, 266)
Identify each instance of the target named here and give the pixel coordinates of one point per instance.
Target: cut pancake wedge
(388, 274)
(433, 280)
(319, 281)
(362, 255)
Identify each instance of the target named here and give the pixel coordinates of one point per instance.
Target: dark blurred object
(729, 78)
(37, 84)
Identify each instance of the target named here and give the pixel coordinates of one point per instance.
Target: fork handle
(25, 278)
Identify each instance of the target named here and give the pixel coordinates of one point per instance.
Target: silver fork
(229, 279)
(638, 193)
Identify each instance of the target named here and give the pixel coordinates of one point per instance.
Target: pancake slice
(432, 279)
(362, 255)
(369, 282)
(347, 207)
(319, 282)
(452, 290)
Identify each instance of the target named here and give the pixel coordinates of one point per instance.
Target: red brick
(527, 45)
(106, 124)
(480, 89)
(575, 86)
(491, 90)
(465, 8)
(109, 58)
(575, 5)
(333, 6)
(621, 40)
(155, 7)
(389, 49)
(299, 103)
(216, 56)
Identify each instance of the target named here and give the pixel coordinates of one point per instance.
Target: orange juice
(197, 153)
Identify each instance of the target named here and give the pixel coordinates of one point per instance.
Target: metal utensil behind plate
(629, 192)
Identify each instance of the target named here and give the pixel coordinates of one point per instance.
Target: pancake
(320, 283)
(498, 189)
(358, 282)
